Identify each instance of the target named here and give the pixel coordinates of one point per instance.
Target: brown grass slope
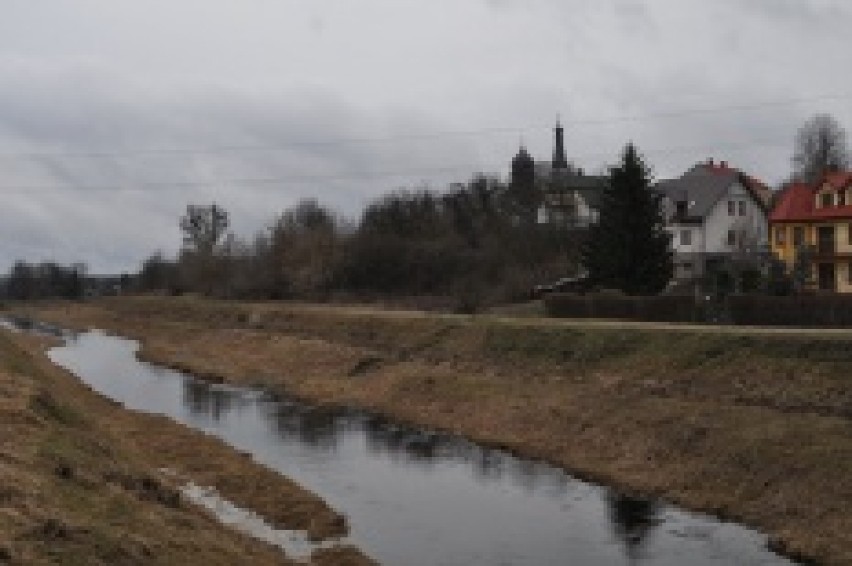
(79, 480)
(750, 425)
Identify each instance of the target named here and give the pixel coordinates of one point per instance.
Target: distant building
(563, 194)
(811, 229)
(717, 216)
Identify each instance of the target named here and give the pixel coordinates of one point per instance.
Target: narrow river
(415, 498)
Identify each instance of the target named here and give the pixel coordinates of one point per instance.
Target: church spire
(560, 160)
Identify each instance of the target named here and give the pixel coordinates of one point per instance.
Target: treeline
(471, 244)
(47, 280)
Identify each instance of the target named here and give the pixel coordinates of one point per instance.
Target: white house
(715, 214)
(568, 196)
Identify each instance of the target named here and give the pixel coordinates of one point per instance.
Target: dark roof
(523, 156)
(591, 187)
(704, 185)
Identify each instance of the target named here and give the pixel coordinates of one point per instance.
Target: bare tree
(203, 226)
(820, 148)
(202, 264)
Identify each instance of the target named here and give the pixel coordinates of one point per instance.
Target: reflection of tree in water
(204, 399)
(632, 519)
(385, 437)
(488, 465)
(315, 426)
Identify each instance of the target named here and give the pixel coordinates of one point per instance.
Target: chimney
(709, 162)
(723, 164)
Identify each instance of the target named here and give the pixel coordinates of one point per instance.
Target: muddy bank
(751, 427)
(82, 480)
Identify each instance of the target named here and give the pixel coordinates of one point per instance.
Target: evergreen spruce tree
(629, 248)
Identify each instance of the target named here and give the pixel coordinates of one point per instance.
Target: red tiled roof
(837, 180)
(796, 203)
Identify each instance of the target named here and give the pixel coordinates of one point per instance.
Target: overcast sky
(114, 114)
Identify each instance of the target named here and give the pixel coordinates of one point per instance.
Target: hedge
(663, 308)
(828, 310)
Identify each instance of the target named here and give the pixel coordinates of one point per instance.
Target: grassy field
(750, 424)
(80, 480)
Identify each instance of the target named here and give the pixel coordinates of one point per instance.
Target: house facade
(811, 230)
(565, 195)
(717, 216)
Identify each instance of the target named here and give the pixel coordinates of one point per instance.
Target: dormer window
(826, 200)
(681, 207)
(841, 198)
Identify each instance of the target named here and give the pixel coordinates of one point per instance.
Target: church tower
(523, 169)
(560, 160)
(523, 189)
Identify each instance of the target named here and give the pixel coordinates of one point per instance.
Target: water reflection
(317, 427)
(633, 521)
(416, 496)
(204, 399)
(415, 445)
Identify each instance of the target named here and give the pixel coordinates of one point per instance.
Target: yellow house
(816, 220)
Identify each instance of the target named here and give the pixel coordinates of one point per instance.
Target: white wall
(697, 242)
(718, 222)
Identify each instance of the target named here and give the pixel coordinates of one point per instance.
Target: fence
(663, 308)
(801, 310)
(753, 310)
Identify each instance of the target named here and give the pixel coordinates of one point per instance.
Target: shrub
(663, 308)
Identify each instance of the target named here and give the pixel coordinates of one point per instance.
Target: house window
(732, 237)
(742, 208)
(686, 237)
(732, 208)
(826, 199)
(681, 206)
(780, 236)
(841, 198)
(798, 236)
(849, 234)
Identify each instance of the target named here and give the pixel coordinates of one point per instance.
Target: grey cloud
(291, 76)
(114, 208)
(805, 13)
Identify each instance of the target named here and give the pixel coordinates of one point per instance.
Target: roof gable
(797, 202)
(837, 180)
(706, 184)
(700, 187)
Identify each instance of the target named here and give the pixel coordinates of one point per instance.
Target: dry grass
(753, 425)
(79, 480)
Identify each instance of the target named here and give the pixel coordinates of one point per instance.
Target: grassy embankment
(749, 425)
(79, 480)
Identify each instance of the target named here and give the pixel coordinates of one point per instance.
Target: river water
(415, 497)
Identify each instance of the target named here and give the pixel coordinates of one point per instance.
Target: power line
(359, 175)
(418, 136)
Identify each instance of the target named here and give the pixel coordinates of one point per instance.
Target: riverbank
(82, 481)
(750, 425)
